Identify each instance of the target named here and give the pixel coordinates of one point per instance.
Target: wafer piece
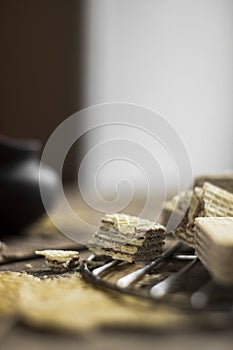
(175, 209)
(214, 246)
(225, 181)
(178, 205)
(60, 259)
(128, 238)
(206, 201)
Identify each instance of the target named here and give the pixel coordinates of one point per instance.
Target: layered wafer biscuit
(214, 246)
(206, 201)
(129, 238)
(60, 259)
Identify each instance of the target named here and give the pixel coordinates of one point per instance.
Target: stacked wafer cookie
(206, 201)
(214, 246)
(128, 238)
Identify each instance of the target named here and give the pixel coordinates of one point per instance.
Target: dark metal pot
(20, 199)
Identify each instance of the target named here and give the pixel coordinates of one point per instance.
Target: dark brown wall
(40, 65)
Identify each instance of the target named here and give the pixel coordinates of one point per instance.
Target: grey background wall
(175, 57)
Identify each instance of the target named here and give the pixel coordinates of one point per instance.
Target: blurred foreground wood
(60, 312)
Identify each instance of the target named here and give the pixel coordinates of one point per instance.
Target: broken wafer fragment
(214, 246)
(128, 238)
(60, 259)
(175, 209)
(206, 201)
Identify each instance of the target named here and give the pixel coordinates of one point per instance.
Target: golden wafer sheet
(129, 225)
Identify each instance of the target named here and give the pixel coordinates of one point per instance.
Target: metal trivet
(190, 286)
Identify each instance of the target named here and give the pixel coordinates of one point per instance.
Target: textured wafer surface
(224, 181)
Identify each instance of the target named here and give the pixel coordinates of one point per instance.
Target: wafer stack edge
(128, 238)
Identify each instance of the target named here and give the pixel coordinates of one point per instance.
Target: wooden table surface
(15, 335)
